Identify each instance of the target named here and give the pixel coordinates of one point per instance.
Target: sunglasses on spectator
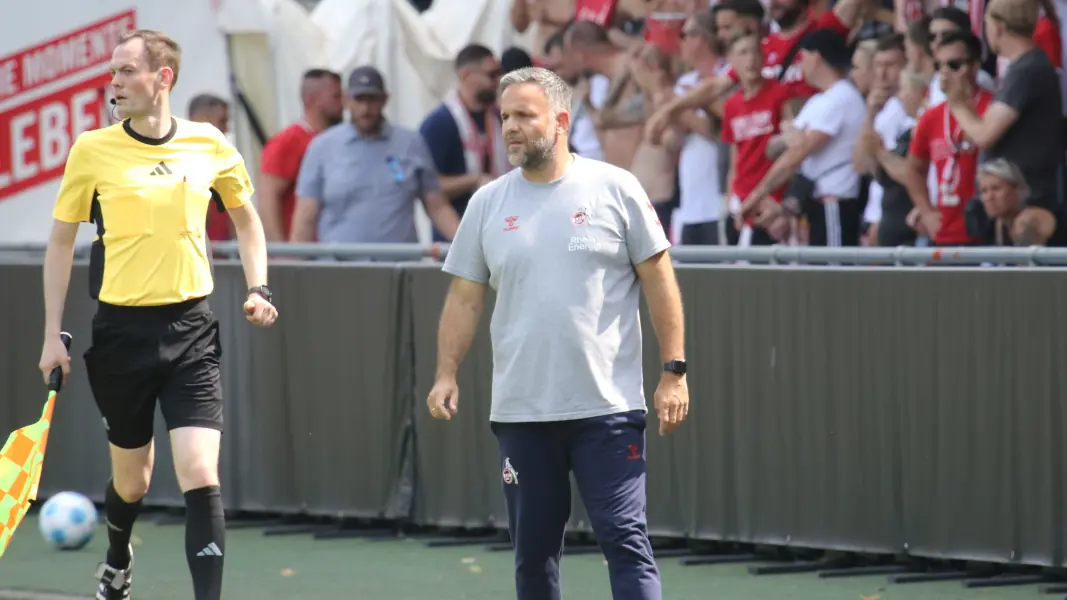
(954, 64)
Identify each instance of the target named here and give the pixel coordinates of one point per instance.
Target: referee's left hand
(672, 402)
(259, 311)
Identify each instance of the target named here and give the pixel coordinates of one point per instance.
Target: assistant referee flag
(21, 460)
(20, 471)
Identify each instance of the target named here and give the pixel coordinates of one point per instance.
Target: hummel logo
(162, 169)
(210, 550)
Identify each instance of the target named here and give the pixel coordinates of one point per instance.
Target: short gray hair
(1008, 171)
(558, 92)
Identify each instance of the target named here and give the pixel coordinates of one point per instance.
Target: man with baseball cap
(822, 183)
(359, 181)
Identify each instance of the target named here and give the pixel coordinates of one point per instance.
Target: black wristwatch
(262, 290)
(675, 366)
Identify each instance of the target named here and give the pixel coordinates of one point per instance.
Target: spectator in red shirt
(320, 93)
(206, 108)
(940, 139)
(750, 119)
(795, 20)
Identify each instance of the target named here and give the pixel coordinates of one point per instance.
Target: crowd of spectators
(748, 122)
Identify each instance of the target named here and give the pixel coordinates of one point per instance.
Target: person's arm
(863, 158)
(459, 322)
(660, 288)
(810, 142)
(438, 207)
(692, 121)
(988, 129)
(647, 245)
(234, 187)
(310, 193)
(441, 213)
(73, 206)
(441, 135)
(466, 262)
(913, 172)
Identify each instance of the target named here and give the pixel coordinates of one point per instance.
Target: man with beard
(463, 132)
(320, 93)
(794, 21)
(360, 180)
(566, 243)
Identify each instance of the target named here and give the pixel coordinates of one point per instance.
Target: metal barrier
(772, 255)
(880, 410)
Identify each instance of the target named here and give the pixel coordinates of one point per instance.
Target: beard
(534, 154)
(486, 97)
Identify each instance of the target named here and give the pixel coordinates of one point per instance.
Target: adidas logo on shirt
(210, 550)
(162, 169)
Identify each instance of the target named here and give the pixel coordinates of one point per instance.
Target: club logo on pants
(510, 475)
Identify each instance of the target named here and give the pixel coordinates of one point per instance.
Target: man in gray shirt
(567, 243)
(359, 181)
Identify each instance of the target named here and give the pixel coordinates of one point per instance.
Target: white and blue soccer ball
(68, 521)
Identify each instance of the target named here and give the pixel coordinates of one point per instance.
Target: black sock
(205, 540)
(120, 518)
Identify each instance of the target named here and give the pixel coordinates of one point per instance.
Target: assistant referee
(146, 184)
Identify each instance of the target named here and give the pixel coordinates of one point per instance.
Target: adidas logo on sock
(210, 550)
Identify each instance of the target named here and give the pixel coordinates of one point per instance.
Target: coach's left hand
(259, 311)
(672, 402)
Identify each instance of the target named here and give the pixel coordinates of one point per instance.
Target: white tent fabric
(413, 51)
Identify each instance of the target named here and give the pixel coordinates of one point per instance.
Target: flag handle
(55, 379)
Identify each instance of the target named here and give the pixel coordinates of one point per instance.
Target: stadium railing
(888, 409)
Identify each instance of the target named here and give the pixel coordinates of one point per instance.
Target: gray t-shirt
(566, 328)
(1035, 142)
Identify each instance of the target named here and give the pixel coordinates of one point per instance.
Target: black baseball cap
(830, 45)
(366, 81)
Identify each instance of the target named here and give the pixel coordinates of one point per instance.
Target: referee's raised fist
(54, 354)
(260, 312)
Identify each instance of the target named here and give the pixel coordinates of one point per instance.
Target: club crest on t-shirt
(581, 216)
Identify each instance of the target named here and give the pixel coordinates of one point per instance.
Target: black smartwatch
(675, 366)
(262, 290)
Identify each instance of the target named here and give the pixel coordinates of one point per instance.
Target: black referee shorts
(141, 353)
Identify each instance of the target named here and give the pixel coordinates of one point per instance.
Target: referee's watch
(676, 366)
(262, 290)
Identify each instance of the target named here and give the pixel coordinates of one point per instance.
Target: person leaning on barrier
(1003, 217)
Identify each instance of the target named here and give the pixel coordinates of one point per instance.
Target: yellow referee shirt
(149, 200)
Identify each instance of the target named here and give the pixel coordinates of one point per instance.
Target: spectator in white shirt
(818, 164)
(886, 120)
(699, 175)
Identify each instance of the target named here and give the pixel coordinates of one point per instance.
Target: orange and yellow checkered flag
(21, 461)
(20, 471)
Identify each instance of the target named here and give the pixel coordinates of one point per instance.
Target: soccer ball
(68, 521)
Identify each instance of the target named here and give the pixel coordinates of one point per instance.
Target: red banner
(51, 93)
(62, 56)
(39, 134)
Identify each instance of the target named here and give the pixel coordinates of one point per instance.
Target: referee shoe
(114, 583)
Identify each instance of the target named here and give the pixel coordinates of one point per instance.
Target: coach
(565, 242)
